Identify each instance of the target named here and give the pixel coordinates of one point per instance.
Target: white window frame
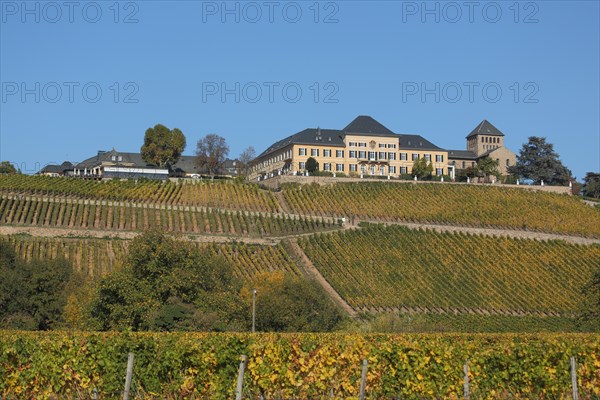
(314, 152)
(339, 167)
(327, 153)
(302, 151)
(339, 153)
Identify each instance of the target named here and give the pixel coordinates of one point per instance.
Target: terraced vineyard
(95, 257)
(394, 267)
(447, 204)
(79, 214)
(225, 194)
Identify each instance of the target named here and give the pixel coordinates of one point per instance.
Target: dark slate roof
(65, 166)
(416, 142)
(186, 164)
(367, 125)
(328, 137)
(485, 128)
(129, 159)
(462, 154)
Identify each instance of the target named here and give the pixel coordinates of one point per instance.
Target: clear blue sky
(168, 62)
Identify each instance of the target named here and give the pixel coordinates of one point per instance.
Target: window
(372, 169)
(363, 169)
(391, 156)
(302, 151)
(339, 153)
(327, 166)
(382, 145)
(339, 167)
(403, 156)
(382, 155)
(120, 158)
(403, 170)
(114, 158)
(381, 170)
(352, 167)
(362, 144)
(326, 153)
(428, 157)
(415, 156)
(352, 144)
(507, 162)
(371, 155)
(463, 164)
(392, 169)
(352, 153)
(302, 166)
(439, 171)
(362, 154)
(314, 152)
(391, 146)
(439, 158)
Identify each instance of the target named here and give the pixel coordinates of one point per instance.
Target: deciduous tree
(211, 153)
(245, 157)
(7, 168)
(421, 168)
(162, 146)
(286, 303)
(168, 284)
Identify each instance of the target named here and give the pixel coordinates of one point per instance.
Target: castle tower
(484, 138)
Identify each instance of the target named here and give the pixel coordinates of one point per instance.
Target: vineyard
(95, 257)
(177, 365)
(378, 268)
(234, 196)
(80, 214)
(447, 204)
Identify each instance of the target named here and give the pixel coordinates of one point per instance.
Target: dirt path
(497, 232)
(128, 235)
(312, 271)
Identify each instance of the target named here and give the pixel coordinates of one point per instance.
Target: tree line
(163, 147)
(164, 284)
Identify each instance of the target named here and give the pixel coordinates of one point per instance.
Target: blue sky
(85, 76)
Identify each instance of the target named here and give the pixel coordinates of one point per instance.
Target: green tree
(168, 284)
(488, 167)
(421, 168)
(537, 161)
(211, 153)
(312, 166)
(591, 185)
(7, 168)
(162, 146)
(287, 303)
(33, 294)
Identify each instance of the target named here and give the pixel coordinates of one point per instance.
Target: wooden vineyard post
(466, 384)
(128, 376)
(574, 378)
(363, 380)
(240, 379)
